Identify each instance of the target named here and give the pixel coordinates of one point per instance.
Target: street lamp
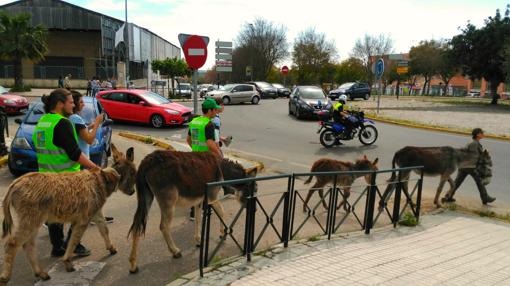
(251, 50)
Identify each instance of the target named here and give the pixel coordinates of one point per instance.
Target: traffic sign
(223, 56)
(402, 64)
(402, 70)
(248, 70)
(195, 50)
(379, 68)
(285, 70)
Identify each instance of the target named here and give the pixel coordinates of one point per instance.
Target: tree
(21, 41)
(350, 70)
(424, 60)
(171, 67)
(262, 44)
(370, 46)
(312, 56)
(447, 66)
(480, 51)
(506, 64)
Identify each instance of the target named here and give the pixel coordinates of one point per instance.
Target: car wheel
(350, 97)
(290, 110)
(104, 159)
(367, 96)
(15, 172)
(157, 121)
(226, 100)
(255, 100)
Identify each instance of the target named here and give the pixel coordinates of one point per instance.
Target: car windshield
(3, 90)
(263, 84)
(35, 113)
(88, 114)
(347, 85)
(155, 98)
(228, 87)
(184, 87)
(312, 93)
(277, 85)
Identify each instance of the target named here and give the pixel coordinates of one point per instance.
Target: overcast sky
(406, 21)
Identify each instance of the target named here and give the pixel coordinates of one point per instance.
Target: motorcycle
(332, 132)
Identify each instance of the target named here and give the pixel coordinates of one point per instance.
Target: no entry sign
(195, 50)
(285, 70)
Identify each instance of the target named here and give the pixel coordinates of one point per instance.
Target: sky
(406, 21)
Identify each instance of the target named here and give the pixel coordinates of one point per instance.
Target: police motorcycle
(331, 133)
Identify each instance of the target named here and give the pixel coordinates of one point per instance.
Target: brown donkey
(178, 179)
(436, 161)
(343, 181)
(75, 197)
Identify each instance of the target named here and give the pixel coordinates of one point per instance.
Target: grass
(148, 140)
(314, 238)
(408, 219)
(481, 213)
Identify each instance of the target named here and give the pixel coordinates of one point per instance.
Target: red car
(11, 102)
(143, 106)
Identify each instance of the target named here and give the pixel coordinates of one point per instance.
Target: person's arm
(188, 139)
(63, 137)
(214, 148)
(89, 135)
(86, 163)
(211, 143)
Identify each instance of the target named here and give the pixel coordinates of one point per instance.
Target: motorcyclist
(341, 113)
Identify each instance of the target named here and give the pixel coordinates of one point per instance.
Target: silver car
(236, 93)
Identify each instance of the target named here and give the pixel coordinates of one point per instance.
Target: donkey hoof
(69, 266)
(134, 271)
(43, 275)
(113, 251)
(438, 206)
(4, 280)
(178, 255)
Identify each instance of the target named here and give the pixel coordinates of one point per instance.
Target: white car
(236, 93)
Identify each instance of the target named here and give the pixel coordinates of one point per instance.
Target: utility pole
(126, 41)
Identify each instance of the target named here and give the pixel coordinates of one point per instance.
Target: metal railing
(285, 209)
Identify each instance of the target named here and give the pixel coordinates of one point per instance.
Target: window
(246, 88)
(115, 96)
(133, 99)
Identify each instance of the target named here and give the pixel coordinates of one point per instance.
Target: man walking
(476, 149)
(67, 82)
(57, 149)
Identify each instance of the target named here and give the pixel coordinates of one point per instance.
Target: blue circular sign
(379, 68)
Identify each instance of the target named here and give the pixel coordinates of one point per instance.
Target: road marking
(256, 155)
(299, 165)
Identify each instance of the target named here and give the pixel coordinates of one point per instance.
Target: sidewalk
(445, 249)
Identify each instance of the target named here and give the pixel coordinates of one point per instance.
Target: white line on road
(256, 155)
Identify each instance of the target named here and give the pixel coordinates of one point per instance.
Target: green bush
(21, 88)
(408, 219)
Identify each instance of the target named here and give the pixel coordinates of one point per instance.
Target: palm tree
(21, 40)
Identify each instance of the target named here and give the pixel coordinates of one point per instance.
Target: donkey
(75, 197)
(436, 161)
(178, 179)
(345, 180)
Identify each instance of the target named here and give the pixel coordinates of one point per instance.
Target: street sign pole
(379, 71)
(195, 98)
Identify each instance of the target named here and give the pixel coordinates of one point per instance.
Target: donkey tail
(145, 197)
(308, 180)
(7, 222)
(393, 173)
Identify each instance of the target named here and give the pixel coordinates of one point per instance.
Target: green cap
(210, 103)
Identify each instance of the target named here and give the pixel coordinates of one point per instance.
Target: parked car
(308, 101)
(205, 88)
(22, 156)
(265, 89)
(12, 103)
(352, 90)
(184, 89)
(236, 93)
(281, 90)
(473, 93)
(143, 106)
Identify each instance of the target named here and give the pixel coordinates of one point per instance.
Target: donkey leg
(30, 251)
(321, 195)
(132, 257)
(11, 246)
(100, 221)
(219, 209)
(165, 227)
(198, 224)
(78, 231)
(438, 191)
(347, 194)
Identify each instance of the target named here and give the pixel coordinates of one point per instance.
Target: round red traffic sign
(195, 52)
(285, 70)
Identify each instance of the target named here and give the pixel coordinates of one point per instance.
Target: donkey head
(126, 168)
(364, 164)
(233, 171)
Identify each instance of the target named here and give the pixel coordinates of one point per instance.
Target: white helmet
(342, 98)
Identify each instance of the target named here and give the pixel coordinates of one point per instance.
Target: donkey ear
(117, 155)
(110, 175)
(252, 173)
(375, 161)
(130, 154)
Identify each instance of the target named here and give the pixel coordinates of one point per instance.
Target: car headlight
(9, 101)
(171, 111)
(21, 143)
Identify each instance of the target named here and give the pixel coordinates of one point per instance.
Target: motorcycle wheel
(327, 138)
(368, 135)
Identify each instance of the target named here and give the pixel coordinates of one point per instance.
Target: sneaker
(448, 200)
(58, 252)
(489, 200)
(192, 214)
(81, 250)
(108, 219)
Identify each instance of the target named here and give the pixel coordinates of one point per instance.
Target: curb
(432, 128)
(3, 160)
(156, 142)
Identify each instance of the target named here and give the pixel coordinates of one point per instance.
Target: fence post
(418, 199)
(286, 214)
(293, 206)
(330, 223)
(369, 214)
(396, 202)
(253, 210)
(204, 239)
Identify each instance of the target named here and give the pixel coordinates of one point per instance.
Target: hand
(95, 168)
(99, 119)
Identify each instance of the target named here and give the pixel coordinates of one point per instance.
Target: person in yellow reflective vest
(57, 149)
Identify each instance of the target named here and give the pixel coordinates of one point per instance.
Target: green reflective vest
(197, 133)
(50, 157)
